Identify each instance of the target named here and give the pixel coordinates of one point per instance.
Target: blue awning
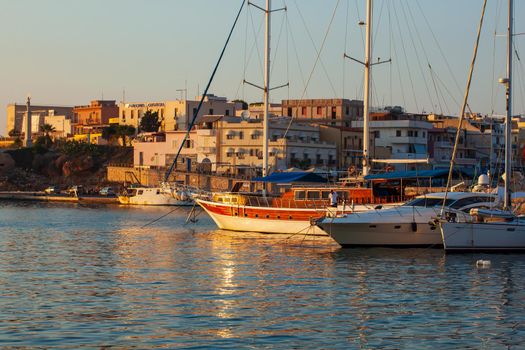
(289, 177)
(416, 174)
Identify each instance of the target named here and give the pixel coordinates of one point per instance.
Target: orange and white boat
(293, 212)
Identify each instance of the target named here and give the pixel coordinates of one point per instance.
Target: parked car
(106, 191)
(52, 190)
(75, 190)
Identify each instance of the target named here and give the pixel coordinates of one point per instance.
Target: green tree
(124, 131)
(109, 133)
(150, 122)
(47, 129)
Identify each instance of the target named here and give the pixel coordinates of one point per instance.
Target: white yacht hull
(487, 236)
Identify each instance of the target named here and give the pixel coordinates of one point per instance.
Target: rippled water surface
(73, 276)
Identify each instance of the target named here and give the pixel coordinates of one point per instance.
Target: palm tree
(47, 129)
(123, 131)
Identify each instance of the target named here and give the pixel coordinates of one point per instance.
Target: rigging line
(522, 81)
(416, 52)
(438, 92)
(450, 94)
(390, 37)
(360, 27)
(255, 36)
(277, 45)
(400, 79)
(418, 36)
(245, 51)
(435, 89)
(196, 113)
(318, 58)
(346, 45)
(287, 53)
(463, 107)
(493, 85)
(406, 60)
(378, 21)
(438, 46)
(296, 53)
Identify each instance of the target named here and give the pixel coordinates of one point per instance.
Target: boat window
(300, 194)
(325, 194)
(234, 199)
(470, 201)
(158, 191)
(139, 192)
(313, 195)
(427, 202)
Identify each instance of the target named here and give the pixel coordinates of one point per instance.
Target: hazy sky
(69, 52)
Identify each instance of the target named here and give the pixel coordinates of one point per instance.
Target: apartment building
(16, 114)
(333, 112)
(176, 114)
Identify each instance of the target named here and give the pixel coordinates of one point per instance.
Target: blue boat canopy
(288, 177)
(416, 174)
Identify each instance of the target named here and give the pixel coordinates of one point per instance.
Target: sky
(69, 52)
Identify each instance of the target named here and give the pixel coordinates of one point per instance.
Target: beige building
(231, 145)
(177, 114)
(17, 112)
(333, 112)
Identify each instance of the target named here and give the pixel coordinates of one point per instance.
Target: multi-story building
(177, 114)
(96, 114)
(349, 145)
(232, 145)
(398, 135)
(16, 114)
(333, 112)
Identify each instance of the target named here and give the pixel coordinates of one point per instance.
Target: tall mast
(366, 99)
(266, 87)
(508, 121)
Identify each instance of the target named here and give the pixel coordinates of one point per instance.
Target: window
(227, 112)
(176, 112)
(188, 144)
(241, 135)
(211, 111)
(300, 194)
(124, 115)
(398, 133)
(319, 110)
(289, 112)
(415, 133)
(194, 111)
(132, 114)
(410, 133)
(424, 134)
(303, 111)
(229, 154)
(314, 195)
(347, 110)
(229, 136)
(255, 136)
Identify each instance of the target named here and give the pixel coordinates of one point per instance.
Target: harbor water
(77, 276)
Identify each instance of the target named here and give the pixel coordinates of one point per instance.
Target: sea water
(77, 276)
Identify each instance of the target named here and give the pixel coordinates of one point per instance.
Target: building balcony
(206, 132)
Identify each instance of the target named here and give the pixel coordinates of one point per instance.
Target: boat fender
(414, 226)
(483, 263)
(377, 207)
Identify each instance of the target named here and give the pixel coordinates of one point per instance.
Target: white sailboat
(491, 230)
(408, 225)
(162, 195)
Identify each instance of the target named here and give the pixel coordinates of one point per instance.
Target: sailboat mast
(366, 98)
(266, 87)
(508, 121)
